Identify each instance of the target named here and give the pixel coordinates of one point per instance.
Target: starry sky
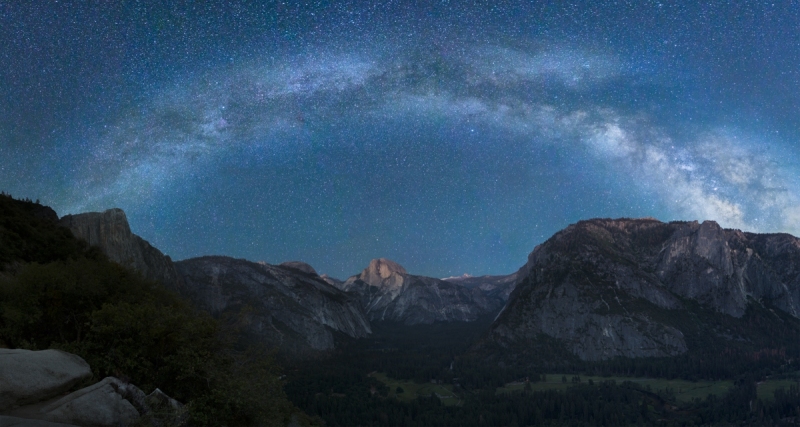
(449, 136)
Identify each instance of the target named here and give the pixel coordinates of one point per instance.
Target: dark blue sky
(449, 136)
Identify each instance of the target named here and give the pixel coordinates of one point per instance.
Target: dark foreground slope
(57, 292)
(601, 289)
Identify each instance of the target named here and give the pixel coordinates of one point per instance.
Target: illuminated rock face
(389, 293)
(606, 288)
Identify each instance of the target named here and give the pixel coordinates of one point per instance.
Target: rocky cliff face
(606, 288)
(498, 287)
(336, 283)
(110, 231)
(288, 306)
(388, 292)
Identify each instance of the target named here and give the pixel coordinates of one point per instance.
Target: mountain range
(288, 306)
(599, 289)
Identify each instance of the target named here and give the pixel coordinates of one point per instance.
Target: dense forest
(601, 404)
(340, 391)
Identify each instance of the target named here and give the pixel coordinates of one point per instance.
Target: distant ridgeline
(597, 291)
(289, 306)
(631, 297)
(58, 292)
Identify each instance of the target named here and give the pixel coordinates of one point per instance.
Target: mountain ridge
(605, 288)
(389, 293)
(601, 288)
(305, 321)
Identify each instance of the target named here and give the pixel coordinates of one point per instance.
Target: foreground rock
(32, 384)
(110, 231)
(8, 421)
(388, 292)
(288, 306)
(606, 288)
(32, 376)
(101, 404)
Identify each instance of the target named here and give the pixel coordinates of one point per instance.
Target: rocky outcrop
(723, 268)
(101, 404)
(287, 306)
(9, 421)
(31, 376)
(499, 287)
(606, 288)
(110, 231)
(300, 266)
(32, 384)
(388, 292)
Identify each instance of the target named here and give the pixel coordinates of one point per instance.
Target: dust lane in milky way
(449, 154)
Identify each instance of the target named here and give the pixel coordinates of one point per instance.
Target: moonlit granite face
(451, 138)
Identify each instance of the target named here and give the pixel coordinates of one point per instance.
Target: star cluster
(450, 137)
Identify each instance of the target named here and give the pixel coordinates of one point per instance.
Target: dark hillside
(29, 233)
(63, 294)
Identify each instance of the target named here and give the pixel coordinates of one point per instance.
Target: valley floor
(680, 390)
(425, 375)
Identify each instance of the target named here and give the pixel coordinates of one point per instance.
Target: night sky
(451, 136)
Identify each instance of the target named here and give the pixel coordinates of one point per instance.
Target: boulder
(102, 404)
(6, 421)
(111, 402)
(164, 409)
(31, 376)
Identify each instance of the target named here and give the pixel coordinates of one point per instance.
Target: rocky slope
(288, 306)
(336, 283)
(605, 288)
(388, 292)
(492, 286)
(110, 231)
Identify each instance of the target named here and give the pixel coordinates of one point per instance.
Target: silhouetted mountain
(639, 287)
(388, 292)
(288, 306)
